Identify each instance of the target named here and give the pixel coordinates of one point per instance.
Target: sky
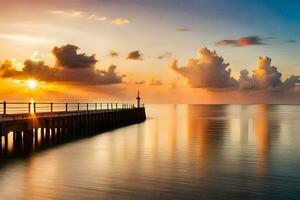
(173, 51)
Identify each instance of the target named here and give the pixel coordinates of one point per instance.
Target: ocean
(179, 152)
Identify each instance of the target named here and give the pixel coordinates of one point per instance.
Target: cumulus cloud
(208, 70)
(120, 21)
(165, 55)
(80, 71)
(134, 55)
(31, 69)
(183, 29)
(243, 41)
(67, 56)
(266, 77)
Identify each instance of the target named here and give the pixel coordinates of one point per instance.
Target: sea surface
(180, 152)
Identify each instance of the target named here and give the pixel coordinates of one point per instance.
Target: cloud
(266, 77)
(140, 82)
(120, 21)
(26, 38)
(154, 82)
(113, 54)
(67, 56)
(31, 69)
(165, 55)
(134, 55)
(243, 41)
(96, 18)
(77, 14)
(68, 14)
(183, 29)
(290, 41)
(80, 70)
(208, 70)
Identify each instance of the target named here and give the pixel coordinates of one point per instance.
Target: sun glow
(31, 83)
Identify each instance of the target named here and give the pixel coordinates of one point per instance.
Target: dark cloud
(243, 41)
(83, 75)
(134, 55)
(183, 29)
(32, 69)
(266, 77)
(165, 55)
(67, 57)
(113, 54)
(208, 70)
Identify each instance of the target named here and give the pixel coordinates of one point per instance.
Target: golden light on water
(31, 84)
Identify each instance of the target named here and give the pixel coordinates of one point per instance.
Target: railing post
(116, 106)
(107, 106)
(78, 106)
(66, 107)
(29, 108)
(100, 106)
(87, 106)
(95, 106)
(4, 108)
(51, 107)
(34, 107)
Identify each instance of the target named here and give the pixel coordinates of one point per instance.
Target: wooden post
(87, 106)
(4, 108)
(95, 106)
(78, 106)
(29, 108)
(34, 107)
(51, 107)
(66, 107)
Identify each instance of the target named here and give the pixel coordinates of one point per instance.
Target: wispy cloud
(68, 14)
(290, 41)
(78, 14)
(165, 55)
(25, 38)
(243, 41)
(182, 29)
(96, 18)
(120, 21)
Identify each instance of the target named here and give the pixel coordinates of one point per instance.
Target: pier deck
(36, 125)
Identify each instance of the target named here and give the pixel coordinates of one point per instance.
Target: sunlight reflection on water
(180, 152)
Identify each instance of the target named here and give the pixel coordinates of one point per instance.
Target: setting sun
(31, 84)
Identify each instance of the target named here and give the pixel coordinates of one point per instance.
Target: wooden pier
(38, 125)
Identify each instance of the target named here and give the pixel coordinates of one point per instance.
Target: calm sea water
(180, 152)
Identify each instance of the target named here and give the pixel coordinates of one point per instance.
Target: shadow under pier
(22, 134)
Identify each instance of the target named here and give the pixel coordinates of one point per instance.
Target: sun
(31, 83)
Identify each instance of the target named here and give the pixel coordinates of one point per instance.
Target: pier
(32, 125)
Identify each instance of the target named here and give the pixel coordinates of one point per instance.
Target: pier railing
(7, 108)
